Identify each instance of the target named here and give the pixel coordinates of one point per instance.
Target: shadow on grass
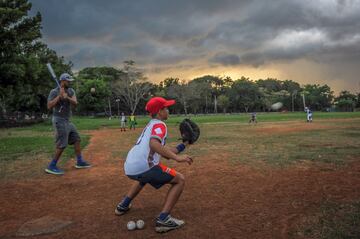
(28, 156)
(333, 221)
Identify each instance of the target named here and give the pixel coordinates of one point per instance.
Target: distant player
(122, 122)
(253, 118)
(309, 115)
(143, 165)
(132, 121)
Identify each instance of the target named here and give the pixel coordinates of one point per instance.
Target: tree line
(26, 82)
(24, 78)
(128, 90)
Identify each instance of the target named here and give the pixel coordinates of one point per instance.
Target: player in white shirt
(143, 165)
(308, 114)
(135, 163)
(122, 122)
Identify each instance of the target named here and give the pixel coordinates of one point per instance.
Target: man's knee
(61, 144)
(61, 147)
(75, 142)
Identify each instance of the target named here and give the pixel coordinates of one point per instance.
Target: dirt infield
(222, 199)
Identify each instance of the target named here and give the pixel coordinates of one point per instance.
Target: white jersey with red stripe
(141, 158)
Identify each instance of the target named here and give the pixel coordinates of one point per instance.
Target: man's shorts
(157, 176)
(65, 133)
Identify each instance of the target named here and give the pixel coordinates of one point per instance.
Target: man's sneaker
(82, 164)
(168, 224)
(54, 170)
(121, 210)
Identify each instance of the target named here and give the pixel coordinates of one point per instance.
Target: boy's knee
(181, 178)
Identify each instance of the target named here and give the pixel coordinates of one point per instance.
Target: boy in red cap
(143, 165)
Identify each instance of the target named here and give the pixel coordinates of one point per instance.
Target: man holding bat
(60, 100)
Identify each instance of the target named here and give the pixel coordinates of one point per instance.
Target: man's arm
(73, 100)
(53, 99)
(168, 153)
(51, 104)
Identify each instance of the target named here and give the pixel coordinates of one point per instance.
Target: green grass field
(16, 143)
(334, 221)
(25, 147)
(332, 145)
(86, 123)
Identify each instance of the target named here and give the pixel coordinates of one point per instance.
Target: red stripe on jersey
(167, 170)
(159, 131)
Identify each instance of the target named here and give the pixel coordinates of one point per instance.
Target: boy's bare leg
(124, 205)
(178, 184)
(134, 190)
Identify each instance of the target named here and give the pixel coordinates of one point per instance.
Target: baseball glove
(189, 131)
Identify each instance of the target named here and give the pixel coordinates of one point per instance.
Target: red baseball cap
(157, 103)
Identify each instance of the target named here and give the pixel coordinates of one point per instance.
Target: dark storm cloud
(166, 26)
(225, 59)
(249, 33)
(285, 30)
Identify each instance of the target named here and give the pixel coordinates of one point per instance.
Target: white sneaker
(170, 223)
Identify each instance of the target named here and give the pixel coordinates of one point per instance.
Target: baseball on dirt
(131, 225)
(276, 106)
(140, 224)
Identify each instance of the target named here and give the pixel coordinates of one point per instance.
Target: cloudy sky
(303, 40)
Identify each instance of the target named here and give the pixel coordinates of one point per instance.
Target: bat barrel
(52, 73)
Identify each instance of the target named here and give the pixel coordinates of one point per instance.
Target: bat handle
(61, 105)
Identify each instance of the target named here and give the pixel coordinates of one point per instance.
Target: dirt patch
(221, 199)
(41, 226)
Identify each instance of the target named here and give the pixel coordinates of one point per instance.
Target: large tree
(223, 102)
(183, 93)
(107, 73)
(318, 97)
(24, 80)
(132, 86)
(346, 101)
(204, 89)
(210, 87)
(270, 84)
(109, 76)
(245, 94)
(93, 95)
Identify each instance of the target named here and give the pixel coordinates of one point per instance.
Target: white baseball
(92, 90)
(277, 106)
(140, 224)
(131, 225)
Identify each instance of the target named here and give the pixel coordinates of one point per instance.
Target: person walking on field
(132, 121)
(253, 118)
(61, 100)
(309, 115)
(123, 122)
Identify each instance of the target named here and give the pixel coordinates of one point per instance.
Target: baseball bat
(52, 73)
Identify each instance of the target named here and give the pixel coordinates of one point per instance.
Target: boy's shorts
(157, 176)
